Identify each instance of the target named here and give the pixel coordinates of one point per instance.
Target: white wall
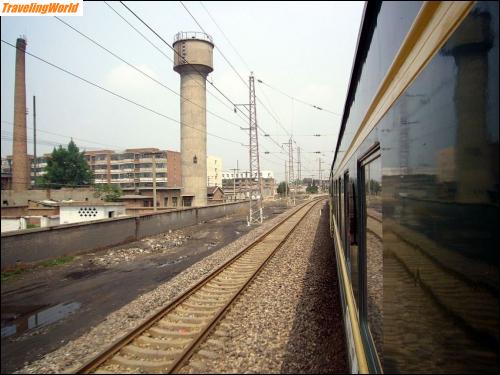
(46, 221)
(79, 214)
(9, 224)
(214, 171)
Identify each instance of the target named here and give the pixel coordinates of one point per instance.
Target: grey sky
(305, 49)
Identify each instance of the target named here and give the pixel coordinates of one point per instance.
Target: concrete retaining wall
(45, 243)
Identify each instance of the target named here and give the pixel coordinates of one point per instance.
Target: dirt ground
(46, 307)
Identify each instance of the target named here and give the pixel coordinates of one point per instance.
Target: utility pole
(286, 182)
(34, 137)
(235, 171)
(290, 179)
(255, 186)
(319, 175)
(154, 183)
(299, 165)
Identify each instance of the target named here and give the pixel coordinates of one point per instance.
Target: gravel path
(72, 355)
(289, 320)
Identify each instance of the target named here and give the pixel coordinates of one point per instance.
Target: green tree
(67, 167)
(109, 193)
(282, 187)
(312, 189)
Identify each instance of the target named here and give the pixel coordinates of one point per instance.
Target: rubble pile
(151, 245)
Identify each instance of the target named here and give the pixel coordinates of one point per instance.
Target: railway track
(166, 341)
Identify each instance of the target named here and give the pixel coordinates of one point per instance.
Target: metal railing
(192, 35)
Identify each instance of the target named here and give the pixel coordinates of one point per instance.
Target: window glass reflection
(374, 260)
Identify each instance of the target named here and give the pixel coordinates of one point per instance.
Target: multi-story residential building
(236, 185)
(214, 171)
(132, 169)
(35, 172)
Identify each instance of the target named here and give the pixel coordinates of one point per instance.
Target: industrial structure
(21, 166)
(214, 171)
(236, 184)
(255, 191)
(193, 60)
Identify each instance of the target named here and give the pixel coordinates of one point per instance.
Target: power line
(299, 100)
(258, 99)
(305, 135)
(8, 137)
(180, 56)
(68, 136)
(144, 73)
(234, 69)
(118, 95)
(194, 67)
(216, 48)
(231, 44)
(168, 57)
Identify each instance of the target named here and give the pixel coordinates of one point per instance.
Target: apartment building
(132, 169)
(41, 163)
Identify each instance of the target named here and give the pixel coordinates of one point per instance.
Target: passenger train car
(414, 190)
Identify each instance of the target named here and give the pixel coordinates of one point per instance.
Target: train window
(353, 238)
(340, 205)
(336, 201)
(342, 212)
(347, 212)
(371, 252)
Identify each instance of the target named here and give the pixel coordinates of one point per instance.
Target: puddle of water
(16, 323)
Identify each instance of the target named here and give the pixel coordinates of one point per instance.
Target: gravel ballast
(76, 352)
(289, 319)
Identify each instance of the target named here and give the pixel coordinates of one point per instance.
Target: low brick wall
(14, 211)
(45, 243)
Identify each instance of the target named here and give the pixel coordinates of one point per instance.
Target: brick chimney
(20, 163)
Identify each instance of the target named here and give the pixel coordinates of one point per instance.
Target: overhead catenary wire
(216, 48)
(299, 100)
(237, 73)
(227, 39)
(273, 115)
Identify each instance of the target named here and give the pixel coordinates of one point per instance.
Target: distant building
(77, 212)
(235, 185)
(214, 171)
(132, 171)
(215, 194)
(6, 180)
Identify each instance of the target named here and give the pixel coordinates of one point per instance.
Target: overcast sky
(304, 49)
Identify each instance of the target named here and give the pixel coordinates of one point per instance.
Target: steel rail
(114, 348)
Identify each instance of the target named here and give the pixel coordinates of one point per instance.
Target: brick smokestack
(20, 163)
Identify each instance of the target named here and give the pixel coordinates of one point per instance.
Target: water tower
(193, 61)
